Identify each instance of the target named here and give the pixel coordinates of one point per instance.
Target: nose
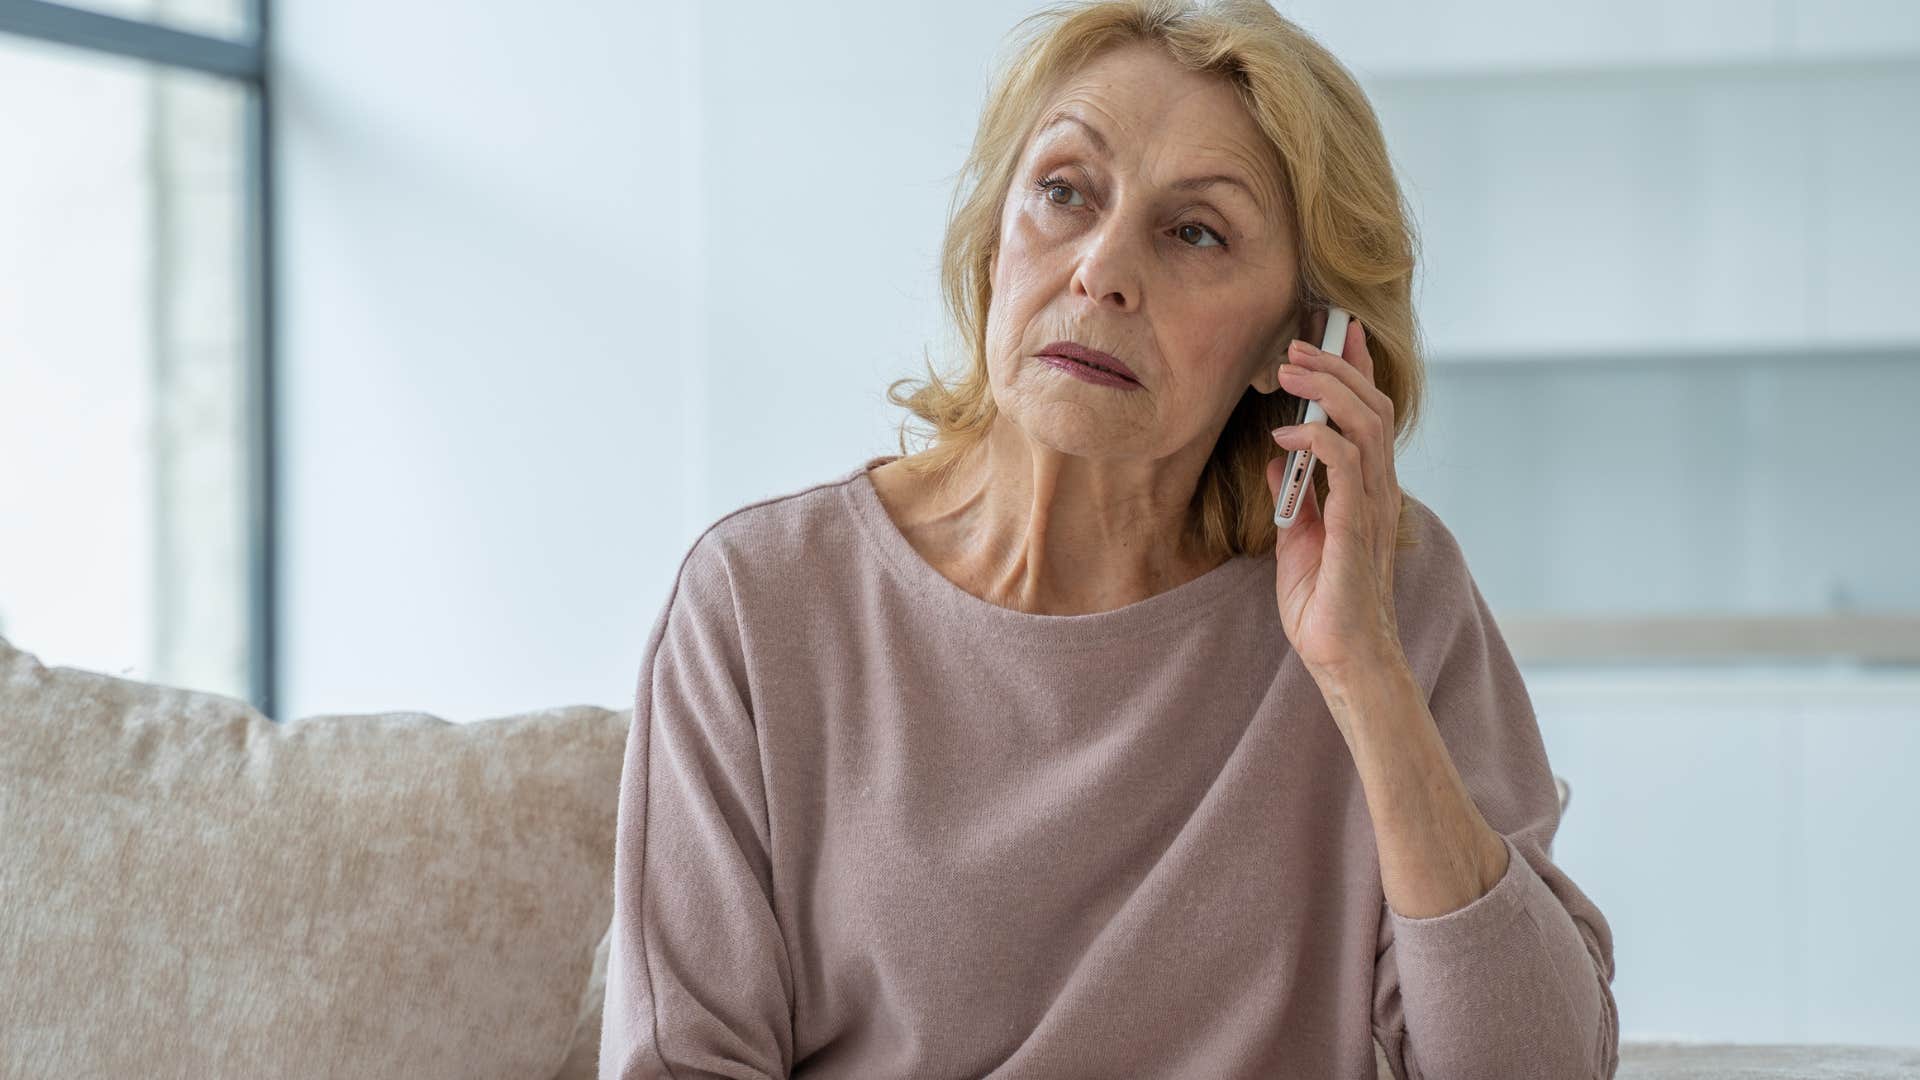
(1109, 267)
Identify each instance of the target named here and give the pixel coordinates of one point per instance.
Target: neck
(1051, 533)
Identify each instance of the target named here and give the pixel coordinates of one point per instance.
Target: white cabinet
(1391, 38)
(1663, 212)
(1751, 838)
(1667, 290)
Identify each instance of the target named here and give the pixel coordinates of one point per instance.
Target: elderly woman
(1042, 753)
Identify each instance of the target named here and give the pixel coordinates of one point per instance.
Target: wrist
(1370, 667)
(1366, 684)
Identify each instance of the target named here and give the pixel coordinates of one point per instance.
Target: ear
(1267, 379)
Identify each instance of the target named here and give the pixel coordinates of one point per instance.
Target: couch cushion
(193, 890)
(583, 1057)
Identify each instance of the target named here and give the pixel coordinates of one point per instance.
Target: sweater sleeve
(1518, 982)
(699, 982)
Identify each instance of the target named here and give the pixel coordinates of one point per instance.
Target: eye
(1047, 184)
(1217, 242)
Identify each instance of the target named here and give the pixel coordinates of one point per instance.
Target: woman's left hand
(1334, 578)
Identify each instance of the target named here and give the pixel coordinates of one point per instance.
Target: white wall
(561, 285)
(486, 376)
(564, 284)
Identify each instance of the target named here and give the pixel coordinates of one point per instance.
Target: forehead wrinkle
(1258, 190)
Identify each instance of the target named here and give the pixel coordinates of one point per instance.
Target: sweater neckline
(1238, 576)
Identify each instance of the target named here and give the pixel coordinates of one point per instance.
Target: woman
(1042, 753)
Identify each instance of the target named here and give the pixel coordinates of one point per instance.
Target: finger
(1354, 366)
(1361, 359)
(1354, 350)
(1356, 373)
(1339, 390)
(1338, 453)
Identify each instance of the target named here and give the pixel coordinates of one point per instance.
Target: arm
(1491, 961)
(698, 978)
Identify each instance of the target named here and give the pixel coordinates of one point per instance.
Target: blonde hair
(1355, 234)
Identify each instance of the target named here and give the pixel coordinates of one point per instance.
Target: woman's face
(1190, 286)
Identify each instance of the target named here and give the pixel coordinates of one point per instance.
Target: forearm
(1437, 853)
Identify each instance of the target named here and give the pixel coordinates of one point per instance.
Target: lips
(1079, 353)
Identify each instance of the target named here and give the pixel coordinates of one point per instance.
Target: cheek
(1023, 269)
(1021, 245)
(1225, 348)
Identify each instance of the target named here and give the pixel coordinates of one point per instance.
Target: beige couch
(190, 890)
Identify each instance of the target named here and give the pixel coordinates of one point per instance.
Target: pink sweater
(873, 826)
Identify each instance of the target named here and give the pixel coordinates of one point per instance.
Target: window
(135, 437)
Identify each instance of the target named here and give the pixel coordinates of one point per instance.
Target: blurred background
(366, 356)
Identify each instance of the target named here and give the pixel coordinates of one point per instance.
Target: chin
(1070, 427)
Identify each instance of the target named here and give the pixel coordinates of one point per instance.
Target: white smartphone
(1293, 490)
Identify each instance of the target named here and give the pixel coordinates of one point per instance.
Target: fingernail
(1281, 432)
(1301, 347)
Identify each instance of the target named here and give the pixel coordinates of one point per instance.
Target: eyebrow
(1192, 183)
